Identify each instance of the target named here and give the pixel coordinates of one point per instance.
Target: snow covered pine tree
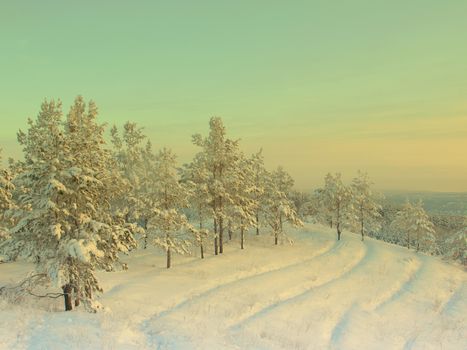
(413, 222)
(67, 183)
(220, 155)
(366, 209)
(195, 177)
(6, 201)
(168, 223)
(336, 200)
(278, 208)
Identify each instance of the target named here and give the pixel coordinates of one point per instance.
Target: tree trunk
(168, 257)
(168, 250)
(215, 238)
(77, 299)
(276, 238)
(242, 234)
(408, 240)
(88, 292)
(280, 222)
(257, 223)
(145, 226)
(361, 222)
(201, 242)
(338, 223)
(230, 229)
(221, 236)
(67, 289)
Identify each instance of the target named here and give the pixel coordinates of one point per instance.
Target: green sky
(320, 85)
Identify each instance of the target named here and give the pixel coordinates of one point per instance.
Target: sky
(321, 86)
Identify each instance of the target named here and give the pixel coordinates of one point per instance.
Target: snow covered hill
(316, 294)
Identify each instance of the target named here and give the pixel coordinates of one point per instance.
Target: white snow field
(316, 294)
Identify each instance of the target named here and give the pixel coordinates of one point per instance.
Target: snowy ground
(316, 294)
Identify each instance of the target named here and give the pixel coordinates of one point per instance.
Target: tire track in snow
(362, 267)
(458, 297)
(405, 288)
(361, 308)
(343, 321)
(426, 292)
(193, 298)
(402, 286)
(340, 327)
(303, 294)
(156, 327)
(325, 251)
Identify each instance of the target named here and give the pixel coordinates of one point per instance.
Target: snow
(316, 294)
(83, 250)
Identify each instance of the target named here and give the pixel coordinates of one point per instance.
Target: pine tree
(284, 183)
(220, 155)
(278, 209)
(135, 162)
(168, 223)
(336, 200)
(413, 222)
(129, 156)
(320, 208)
(311, 207)
(258, 191)
(366, 209)
(67, 183)
(195, 176)
(303, 203)
(243, 206)
(456, 245)
(6, 201)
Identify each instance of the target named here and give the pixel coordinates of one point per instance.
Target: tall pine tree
(67, 184)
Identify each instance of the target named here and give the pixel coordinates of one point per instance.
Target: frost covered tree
(129, 156)
(278, 209)
(456, 245)
(387, 232)
(67, 183)
(6, 201)
(195, 176)
(366, 208)
(413, 222)
(219, 155)
(135, 161)
(303, 203)
(244, 197)
(311, 208)
(258, 190)
(320, 209)
(336, 201)
(168, 224)
(284, 183)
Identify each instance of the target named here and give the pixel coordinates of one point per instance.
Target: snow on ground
(316, 294)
